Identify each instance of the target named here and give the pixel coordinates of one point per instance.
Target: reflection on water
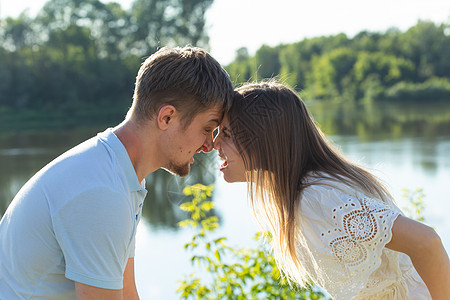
(384, 121)
(23, 154)
(165, 191)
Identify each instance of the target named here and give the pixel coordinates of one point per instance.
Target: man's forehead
(214, 115)
(216, 121)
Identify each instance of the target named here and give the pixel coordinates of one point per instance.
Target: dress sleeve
(346, 235)
(94, 231)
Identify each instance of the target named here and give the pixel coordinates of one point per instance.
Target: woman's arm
(422, 244)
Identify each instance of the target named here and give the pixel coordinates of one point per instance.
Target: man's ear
(166, 116)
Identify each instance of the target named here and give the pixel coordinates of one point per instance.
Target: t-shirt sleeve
(346, 235)
(94, 231)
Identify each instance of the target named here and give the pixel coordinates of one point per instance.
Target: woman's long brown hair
(280, 144)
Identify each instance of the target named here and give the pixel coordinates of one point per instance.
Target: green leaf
(207, 206)
(217, 254)
(187, 206)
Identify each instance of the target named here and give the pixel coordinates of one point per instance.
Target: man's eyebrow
(215, 121)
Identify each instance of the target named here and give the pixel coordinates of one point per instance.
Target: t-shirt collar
(124, 160)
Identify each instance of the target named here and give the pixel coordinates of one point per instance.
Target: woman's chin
(231, 179)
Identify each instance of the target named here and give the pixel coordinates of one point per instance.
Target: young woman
(331, 220)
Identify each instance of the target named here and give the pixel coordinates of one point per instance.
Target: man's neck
(139, 141)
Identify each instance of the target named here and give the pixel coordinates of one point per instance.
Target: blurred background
(376, 77)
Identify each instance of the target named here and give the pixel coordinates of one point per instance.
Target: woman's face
(233, 167)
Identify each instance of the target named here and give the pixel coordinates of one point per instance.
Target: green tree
(365, 67)
(242, 69)
(428, 47)
(156, 23)
(82, 55)
(373, 72)
(267, 61)
(292, 67)
(331, 75)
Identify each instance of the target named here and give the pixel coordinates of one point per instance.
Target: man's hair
(188, 78)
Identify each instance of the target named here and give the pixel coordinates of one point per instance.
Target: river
(406, 144)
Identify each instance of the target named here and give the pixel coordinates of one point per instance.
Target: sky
(233, 24)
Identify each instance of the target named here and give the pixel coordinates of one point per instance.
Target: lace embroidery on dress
(360, 219)
(341, 244)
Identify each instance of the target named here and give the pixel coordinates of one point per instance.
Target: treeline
(390, 66)
(80, 58)
(77, 55)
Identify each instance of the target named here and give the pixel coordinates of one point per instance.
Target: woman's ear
(166, 116)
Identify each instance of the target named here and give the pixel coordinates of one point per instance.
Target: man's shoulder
(90, 154)
(89, 164)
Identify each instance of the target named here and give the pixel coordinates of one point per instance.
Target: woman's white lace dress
(341, 244)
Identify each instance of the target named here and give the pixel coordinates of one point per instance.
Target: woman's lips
(224, 158)
(224, 165)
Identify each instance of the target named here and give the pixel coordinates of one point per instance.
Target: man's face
(186, 141)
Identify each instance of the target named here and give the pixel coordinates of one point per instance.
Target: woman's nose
(216, 142)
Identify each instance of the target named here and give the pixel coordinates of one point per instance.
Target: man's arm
(129, 291)
(129, 284)
(88, 292)
(422, 244)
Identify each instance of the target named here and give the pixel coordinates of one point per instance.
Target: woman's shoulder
(326, 195)
(323, 189)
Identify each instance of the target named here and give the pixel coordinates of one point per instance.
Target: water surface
(407, 145)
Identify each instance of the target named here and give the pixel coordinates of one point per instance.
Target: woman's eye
(208, 130)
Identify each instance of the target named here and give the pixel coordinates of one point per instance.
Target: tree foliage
(365, 67)
(84, 54)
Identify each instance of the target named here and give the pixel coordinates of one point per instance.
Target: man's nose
(208, 145)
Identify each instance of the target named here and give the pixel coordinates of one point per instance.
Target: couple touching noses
(69, 233)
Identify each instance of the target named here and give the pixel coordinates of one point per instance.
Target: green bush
(432, 89)
(234, 273)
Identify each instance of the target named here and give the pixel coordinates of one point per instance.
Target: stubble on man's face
(178, 169)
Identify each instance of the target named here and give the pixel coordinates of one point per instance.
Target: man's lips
(222, 156)
(202, 148)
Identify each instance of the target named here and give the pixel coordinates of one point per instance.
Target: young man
(70, 231)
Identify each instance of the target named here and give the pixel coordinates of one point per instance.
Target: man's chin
(178, 170)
